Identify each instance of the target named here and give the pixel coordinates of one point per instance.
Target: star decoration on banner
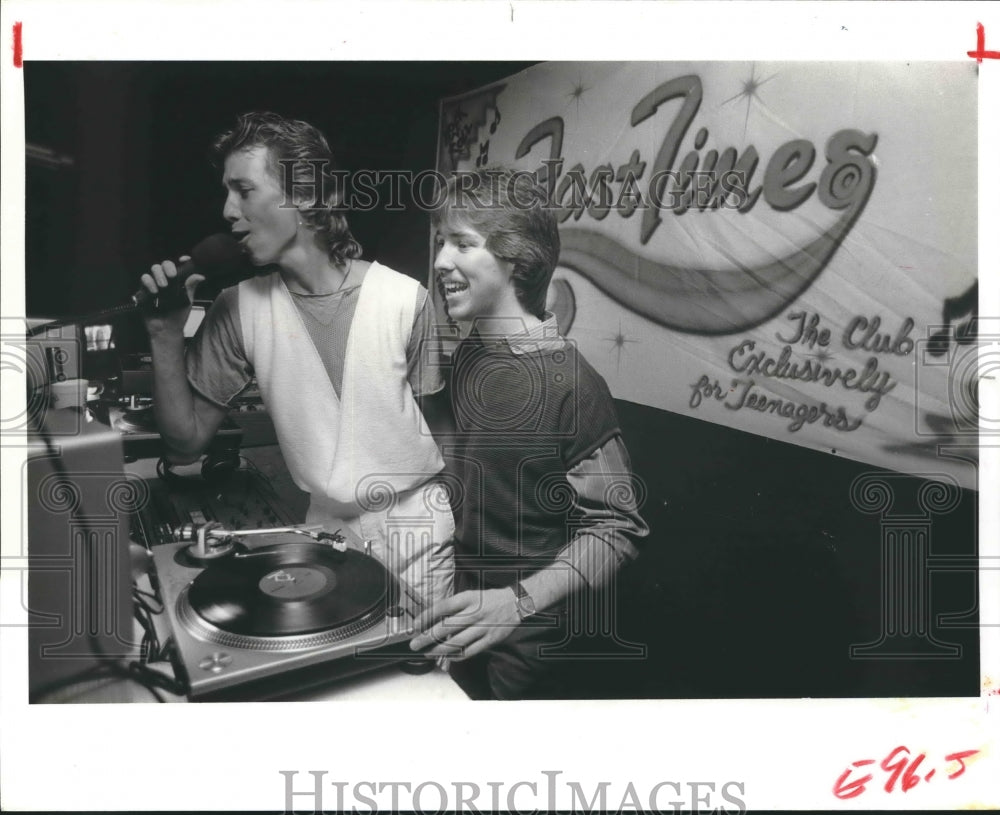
(618, 343)
(575, 95)
(750, 90)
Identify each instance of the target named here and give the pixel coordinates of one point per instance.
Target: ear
(302, 208)
(310, 196)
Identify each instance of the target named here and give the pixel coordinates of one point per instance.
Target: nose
(443, 260)
(231, 210)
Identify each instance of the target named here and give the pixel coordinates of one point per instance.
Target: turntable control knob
(395, 615)
(216, 663)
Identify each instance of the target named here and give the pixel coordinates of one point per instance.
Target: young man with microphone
(333, 341)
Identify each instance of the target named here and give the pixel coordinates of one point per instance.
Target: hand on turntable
(467, 624)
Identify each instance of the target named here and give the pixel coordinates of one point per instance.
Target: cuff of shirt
(595, 559)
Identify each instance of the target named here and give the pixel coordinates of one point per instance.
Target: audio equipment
(79, 570)
(260, 614)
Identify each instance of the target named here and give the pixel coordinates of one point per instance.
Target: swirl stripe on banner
(702, 301)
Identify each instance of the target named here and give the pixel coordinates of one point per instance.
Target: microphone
(217, 256)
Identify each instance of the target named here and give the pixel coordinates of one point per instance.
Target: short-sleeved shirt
(217, 363)
(528, 412)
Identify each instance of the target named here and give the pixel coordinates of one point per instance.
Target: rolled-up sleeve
(605, 504)
(216, 362)
(423, 350)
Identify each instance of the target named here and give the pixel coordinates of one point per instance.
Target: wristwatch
(525, 605)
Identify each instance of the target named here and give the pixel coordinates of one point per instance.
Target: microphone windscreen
(219, 254)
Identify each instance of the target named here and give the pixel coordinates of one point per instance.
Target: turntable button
(216, 663)
(395, 615)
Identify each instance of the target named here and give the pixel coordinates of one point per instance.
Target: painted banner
(788, 248)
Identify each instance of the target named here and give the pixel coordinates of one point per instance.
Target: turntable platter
(290, 589)
(137, 419)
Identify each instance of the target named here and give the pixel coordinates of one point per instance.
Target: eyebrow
(232, 182)
(458, 233)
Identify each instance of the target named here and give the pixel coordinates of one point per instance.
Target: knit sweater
(522, 421)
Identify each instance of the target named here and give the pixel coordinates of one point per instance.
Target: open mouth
(453, 288)
(241, 237)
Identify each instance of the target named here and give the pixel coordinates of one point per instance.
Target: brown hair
(299, 145)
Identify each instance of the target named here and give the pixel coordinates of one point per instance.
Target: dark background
(759, 573)
(142, 188)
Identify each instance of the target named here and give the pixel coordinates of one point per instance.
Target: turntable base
(281, 617)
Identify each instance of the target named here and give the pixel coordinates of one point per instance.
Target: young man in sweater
(544, 501)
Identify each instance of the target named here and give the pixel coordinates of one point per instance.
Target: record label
(296, 582)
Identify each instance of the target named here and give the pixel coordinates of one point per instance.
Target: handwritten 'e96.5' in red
(902, 771)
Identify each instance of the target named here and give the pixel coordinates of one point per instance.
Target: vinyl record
(137, 419)
(291, 588)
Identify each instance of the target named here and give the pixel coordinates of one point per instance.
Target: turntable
(259, 614)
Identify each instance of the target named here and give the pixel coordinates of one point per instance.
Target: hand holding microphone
(168, 289)
(218, 256)
(169, 286)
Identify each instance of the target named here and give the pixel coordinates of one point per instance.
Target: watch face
(526, 606)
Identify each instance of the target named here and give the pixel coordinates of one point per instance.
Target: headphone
(216, 468)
